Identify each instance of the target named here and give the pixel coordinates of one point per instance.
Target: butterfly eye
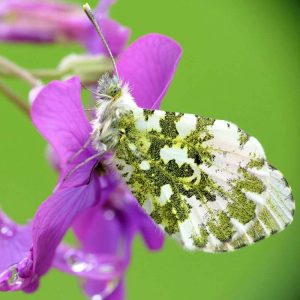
(114, 92)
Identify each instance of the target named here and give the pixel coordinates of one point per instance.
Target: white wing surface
(205, 182)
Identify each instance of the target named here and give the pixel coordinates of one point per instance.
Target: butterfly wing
(205, 182)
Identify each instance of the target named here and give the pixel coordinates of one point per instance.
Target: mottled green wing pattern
(205, 182)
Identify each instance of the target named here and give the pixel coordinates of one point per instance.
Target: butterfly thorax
(113, 101)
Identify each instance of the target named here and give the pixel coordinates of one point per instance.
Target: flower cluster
(93, 202)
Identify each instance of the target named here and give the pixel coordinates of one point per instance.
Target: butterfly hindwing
(205, 182)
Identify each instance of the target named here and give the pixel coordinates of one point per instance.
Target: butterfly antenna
(91, 16)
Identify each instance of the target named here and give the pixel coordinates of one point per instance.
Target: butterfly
(205, 182)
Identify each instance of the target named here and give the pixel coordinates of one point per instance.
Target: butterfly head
(109, 87)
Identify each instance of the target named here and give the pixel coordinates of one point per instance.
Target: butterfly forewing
(204, 181)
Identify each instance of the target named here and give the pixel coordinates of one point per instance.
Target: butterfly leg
(92, 171)
(73, 170)
(86, 88)
(98, 95)
(76, 154)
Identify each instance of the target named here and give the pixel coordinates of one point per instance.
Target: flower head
(46, 21)
(105, 217)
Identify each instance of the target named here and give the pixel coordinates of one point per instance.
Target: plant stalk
(14, 98)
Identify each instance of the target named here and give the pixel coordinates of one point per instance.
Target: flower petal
(29, 5)
(100, 224)
(148, 65)
(15, 255)
(97, 290)
(37, 21)
(153, 236)
(95, 226)
(53, 219)
(104, 7)
(52, 158)
(15, 242)
(115, 34)
(22, 33)
(46, 22)
(136, 220)
(87, 265)
(117, 223)
(58, 114)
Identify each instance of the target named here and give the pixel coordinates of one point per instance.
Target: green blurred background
(241, 63)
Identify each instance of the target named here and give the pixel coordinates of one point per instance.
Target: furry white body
(105, 133)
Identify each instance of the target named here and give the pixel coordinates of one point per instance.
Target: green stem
(46, 74)
(14, 98)
(11, 67)
(88, 68)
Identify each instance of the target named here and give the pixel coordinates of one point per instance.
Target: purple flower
(45, 21)
(97, 206)
(17, 260)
